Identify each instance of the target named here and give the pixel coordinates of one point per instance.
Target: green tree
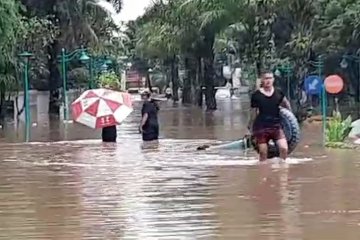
(261, 34)
(79, 22)
(10, 30)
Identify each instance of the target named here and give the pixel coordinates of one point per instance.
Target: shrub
(109, 80)
(338, 129)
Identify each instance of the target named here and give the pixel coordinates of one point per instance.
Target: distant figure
(109, 134)
(149, 126)
(168, 93)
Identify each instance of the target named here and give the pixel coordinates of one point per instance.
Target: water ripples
(85, 189)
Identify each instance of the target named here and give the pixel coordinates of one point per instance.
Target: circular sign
(334, 84)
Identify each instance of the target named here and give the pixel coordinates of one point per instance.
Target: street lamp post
(104, 68)
(91, 76)
(287, 69)
(148, 79)
(94, 65)
(26, 56)
(97, 65)
(65, 58)
(344, 65)
(108, 62)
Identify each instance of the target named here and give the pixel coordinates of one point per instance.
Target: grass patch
(337, 129)
(341, 145)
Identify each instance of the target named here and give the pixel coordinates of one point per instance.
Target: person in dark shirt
(265, 116)
(109, 134)
(149, 126)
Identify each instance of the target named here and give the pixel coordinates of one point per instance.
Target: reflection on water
(84, 189)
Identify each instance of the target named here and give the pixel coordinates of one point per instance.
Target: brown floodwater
(67, 185)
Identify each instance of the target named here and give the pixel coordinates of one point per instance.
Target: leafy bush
(338, 129)
(79, 77)
(109, 80)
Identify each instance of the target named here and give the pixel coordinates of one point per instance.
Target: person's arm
(253, 115)
(143, 121)
(253, 111)
(144, 116)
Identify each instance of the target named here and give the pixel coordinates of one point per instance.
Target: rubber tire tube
(291, 128)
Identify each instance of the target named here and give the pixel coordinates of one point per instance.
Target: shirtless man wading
(265, 116)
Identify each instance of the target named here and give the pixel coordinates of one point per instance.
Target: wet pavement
(66, 184)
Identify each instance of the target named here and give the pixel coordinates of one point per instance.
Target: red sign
(134, 80)
(334, 84)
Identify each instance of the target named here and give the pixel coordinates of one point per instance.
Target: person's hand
(140, 129)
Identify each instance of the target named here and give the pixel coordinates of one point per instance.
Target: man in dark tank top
(265, 116)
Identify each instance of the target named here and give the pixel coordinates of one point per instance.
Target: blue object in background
(313, 85)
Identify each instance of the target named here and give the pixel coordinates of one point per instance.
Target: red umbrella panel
(98, 108)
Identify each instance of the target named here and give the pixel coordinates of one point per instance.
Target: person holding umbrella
(149, 125)
(109, 133)
(102, 108)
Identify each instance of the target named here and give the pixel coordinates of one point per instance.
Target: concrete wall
(39, 105)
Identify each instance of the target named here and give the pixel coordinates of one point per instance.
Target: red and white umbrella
(98, 108)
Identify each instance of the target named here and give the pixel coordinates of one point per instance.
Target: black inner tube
(291, 128)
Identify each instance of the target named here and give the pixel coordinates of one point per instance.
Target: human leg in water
(282, 145)
(262, 137)
(109, 134)
(150, 133)
(277, 135)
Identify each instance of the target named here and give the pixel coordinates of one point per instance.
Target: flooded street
(67, 185)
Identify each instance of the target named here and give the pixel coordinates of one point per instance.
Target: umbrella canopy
(98, 108)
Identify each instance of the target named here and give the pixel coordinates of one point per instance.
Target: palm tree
(212, 17)
(159, 38)
(80, 22)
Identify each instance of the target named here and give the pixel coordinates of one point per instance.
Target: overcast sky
(133, 9)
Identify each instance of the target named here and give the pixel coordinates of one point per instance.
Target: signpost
(313, 85)
(333, 84)
(323, 100)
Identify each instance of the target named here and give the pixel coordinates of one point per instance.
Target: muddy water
(79, 188)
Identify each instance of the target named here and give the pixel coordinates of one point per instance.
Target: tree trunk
(175, 78)
(209, 71)
(187, 97)
(2, 100)
(209, 85)
(193, 67)
(54, 78)
(198, 83)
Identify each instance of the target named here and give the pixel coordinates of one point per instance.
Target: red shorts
(264, 135)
